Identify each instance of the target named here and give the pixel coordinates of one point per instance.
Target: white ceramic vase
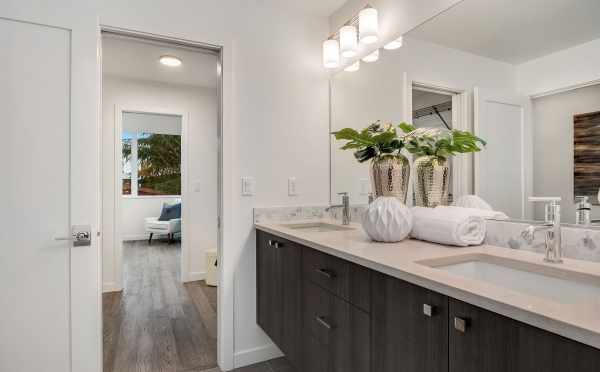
(387, 220)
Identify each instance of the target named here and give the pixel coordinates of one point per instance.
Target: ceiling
(316, 7)
(138, 59)
(513, 31)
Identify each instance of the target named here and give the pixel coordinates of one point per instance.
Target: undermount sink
(552, 283)
(317, 227)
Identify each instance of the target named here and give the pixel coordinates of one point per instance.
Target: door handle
(81, 235)
(326, 273)
(428, 310)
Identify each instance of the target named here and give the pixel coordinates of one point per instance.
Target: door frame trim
(225, 293)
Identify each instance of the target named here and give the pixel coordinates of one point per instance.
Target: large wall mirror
(523, 75)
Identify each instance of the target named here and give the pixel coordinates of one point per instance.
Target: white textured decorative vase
(387, 220)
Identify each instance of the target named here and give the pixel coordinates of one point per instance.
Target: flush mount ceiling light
(394, 44)
(348, 41)
(372, 57)
(368, 25)
(169, 60)
(353, 67)
(331, 53)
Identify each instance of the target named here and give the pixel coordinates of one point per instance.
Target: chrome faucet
(345, 208)
(551, 227)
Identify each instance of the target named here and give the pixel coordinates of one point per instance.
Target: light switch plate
(292, 191)
(248, 186)
(364, 186)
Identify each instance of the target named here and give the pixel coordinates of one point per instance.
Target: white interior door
(500, 169)
(34, 268)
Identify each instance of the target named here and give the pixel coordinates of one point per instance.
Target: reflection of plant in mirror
(441, 143)
(373, 142)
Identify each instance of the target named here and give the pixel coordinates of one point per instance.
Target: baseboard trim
(135, 237)
(256, 355)
(110, 287)
(194, 276)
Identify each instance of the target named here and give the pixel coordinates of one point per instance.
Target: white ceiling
(136, 59)
(316, 7)
(514, 31)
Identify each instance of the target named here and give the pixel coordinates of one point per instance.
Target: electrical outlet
(248, 186)
(292, 186)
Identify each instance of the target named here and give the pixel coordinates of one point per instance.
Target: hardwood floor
(158, 324)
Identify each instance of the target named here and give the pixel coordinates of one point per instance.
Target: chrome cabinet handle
(270, 243)
(428, 310)
(277, 245)
(460, 324)
(326, 273)
(323, 322)
(274, 243)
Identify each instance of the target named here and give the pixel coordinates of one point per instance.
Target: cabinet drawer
(345, 279)
(335, 332)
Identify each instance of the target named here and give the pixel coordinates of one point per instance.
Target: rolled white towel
(452, 226)
(485, 213)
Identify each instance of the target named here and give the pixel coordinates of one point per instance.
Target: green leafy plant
(441, 143)
(375, 141)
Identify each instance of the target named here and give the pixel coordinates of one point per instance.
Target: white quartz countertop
(578, 321)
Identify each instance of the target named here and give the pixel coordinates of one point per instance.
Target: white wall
(375, 92)
(201, 105)
(553, 144)
(563, 69)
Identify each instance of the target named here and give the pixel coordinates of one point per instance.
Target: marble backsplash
(578, 243)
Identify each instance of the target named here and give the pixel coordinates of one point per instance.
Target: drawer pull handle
(460, 324)
(326, 273)
(274, 243)
(428, 310)
(323, 322)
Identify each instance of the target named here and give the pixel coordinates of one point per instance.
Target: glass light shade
(393, 44)
(331, 53)
(170, 61)
(368, 26)
(348, 41)
(371, 57)
(353, 67)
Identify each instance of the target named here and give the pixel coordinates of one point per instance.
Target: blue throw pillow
(170, 211)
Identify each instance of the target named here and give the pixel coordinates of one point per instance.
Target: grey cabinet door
(410, 327)
(269, 287)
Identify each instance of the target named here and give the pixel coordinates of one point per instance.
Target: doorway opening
(161, 202)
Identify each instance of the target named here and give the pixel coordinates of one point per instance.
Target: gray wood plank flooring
(158, 324)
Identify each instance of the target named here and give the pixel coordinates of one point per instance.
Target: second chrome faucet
(345, 208)
(551, 227)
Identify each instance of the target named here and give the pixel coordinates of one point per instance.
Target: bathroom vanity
(332, 300)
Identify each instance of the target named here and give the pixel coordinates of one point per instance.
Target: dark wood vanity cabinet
(279, 293)
(330, 315)
(409, 325)
(483, 341)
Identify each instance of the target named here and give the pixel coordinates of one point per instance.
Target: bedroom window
(151, 164)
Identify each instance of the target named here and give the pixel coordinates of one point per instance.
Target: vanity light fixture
(394, 44)
(368, 25)
(371, 57)
(348, 41)
(353, 67)
(331, 53)
(169, 60)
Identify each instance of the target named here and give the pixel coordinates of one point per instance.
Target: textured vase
(431, 181)
(390, 175)
(387, 220)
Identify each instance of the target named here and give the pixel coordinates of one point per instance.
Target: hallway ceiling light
(331, 53)
(353, 67)
(372, 57)
(348, 41)
(170, 61)
(394, 44)
(368, 25)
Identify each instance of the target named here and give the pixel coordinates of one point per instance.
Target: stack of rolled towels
(449, 225)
